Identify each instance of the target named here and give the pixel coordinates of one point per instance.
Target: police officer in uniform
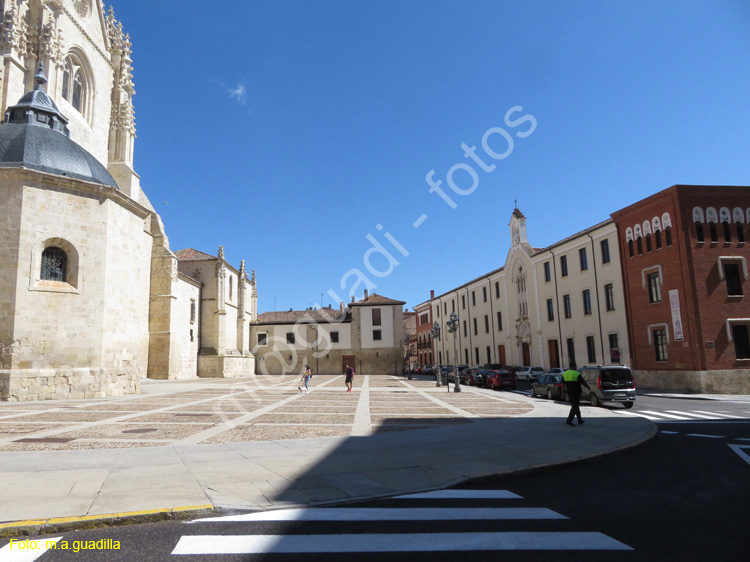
(573, 381)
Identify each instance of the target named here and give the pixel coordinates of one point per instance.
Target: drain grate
(45, 440)
(139, 430)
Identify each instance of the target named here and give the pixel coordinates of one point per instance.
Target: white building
(543, 307)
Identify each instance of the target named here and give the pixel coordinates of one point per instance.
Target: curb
(62, 524)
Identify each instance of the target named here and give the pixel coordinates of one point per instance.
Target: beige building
(543, 307)
(368, 335)
(91, 297)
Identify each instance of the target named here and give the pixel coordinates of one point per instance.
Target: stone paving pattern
(252, 409)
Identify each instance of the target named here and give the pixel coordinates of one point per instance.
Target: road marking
(664, 415)
(743, 439)
(670, 432)
(702, 435)
(397, 542)
(389, 514)
(464, 495)
(739, 450)
(693, 414)
(26, 550)
(715, 415)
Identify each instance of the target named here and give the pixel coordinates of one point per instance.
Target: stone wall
(705, 382)
(68, 383)
(225, 366)
(384, 361)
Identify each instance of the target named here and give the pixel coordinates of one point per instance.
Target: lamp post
(407, 355)
(436, 336)
(452, 326)
(314, 345)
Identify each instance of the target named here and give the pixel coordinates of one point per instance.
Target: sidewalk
(130, 457)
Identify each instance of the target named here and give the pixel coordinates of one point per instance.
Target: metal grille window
(547, 272)
(660, 344)
(583, 259)
(591, 349)
(290, 337)
(609, 293)
(564, 266)
(566, 306)
(741, 341)
(499, 321)
(550, 310)
(654, 287)
(605, 251)
(54, 264)
(733, 279)
(587, 301)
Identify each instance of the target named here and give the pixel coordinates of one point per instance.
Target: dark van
(609, 383)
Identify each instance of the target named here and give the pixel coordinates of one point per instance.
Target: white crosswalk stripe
(397, 542)
(443, 507)
(679, 415)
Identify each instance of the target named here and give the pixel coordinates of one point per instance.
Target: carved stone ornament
(82, 7)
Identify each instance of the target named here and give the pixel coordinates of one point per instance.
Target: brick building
(424, 337)
(684, 265)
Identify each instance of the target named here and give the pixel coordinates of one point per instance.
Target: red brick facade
(702, 274)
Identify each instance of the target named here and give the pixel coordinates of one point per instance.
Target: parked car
(475, 377)
(555, 371)
(549, 385)
(610, 383)
(497, 379)
(461, 370)
(446, 373)
(529, 373)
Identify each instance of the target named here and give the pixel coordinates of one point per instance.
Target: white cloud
(238, 93)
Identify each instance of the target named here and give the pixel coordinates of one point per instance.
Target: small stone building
(368, 334)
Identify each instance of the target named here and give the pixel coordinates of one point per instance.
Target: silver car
(529, 374)
(609, 383)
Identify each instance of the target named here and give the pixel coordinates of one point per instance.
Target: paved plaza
(258, 443)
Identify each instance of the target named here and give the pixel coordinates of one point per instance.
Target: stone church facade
(92, 299)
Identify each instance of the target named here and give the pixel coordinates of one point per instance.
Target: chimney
(432, 295)
(365, 294)
(352, 298)
(341, 306)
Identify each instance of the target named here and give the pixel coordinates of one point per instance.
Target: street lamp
(436, 336)
(452, 326)
(315, 345)
(407, 354)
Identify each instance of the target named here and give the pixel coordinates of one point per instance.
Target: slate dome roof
(34, 134)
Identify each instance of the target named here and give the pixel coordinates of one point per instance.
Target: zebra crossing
(227, 539)
(681, 415)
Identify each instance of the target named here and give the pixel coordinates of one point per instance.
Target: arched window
(54, 264)
(76, 84)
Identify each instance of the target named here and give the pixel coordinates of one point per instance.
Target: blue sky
(288, 130)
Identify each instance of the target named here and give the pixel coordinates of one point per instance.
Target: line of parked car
(610, 383)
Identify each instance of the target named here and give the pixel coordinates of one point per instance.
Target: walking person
(573, 381)
(349, 378)
(306, 376)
